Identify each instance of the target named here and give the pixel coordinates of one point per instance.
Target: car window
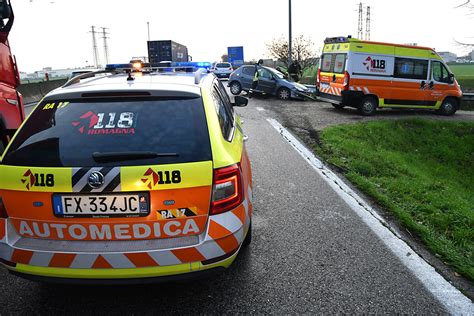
(264, 73)
(339, 63)
(410, 68)
(326, 61)
(223, 65)
(225, 118)
(248, 70)
(439, 72)
(56, 130)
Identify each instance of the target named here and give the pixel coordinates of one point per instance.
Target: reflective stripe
(366, 90)
(224, 235)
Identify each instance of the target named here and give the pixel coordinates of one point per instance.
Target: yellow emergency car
(127, 174)
(370, 75)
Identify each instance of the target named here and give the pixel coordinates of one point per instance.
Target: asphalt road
(310, 254)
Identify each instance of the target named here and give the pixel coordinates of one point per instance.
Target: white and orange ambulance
(370, 75)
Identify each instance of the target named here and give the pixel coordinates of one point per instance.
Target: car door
(246, 77)
(266, 81)
(439, 83)
(409, 83)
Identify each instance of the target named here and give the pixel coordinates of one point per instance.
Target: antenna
(106, 47)
(94, 47)
(367, 24)
(359, 23)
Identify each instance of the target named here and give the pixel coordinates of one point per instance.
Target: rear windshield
(73, 133)
(223, 65)
(335, 63)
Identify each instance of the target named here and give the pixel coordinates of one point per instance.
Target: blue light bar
(118, 66)
(196, 64)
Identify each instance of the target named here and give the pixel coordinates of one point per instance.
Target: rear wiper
(128, 155)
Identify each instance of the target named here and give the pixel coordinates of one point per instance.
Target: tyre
(284, 94)
(235, 87)
(337, 106)
(449, 107)
(248, 238)
(368, 106)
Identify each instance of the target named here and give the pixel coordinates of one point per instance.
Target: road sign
(236, 55)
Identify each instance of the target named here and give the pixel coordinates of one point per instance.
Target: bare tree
(469, 6)
(302, 50)
(225, 58)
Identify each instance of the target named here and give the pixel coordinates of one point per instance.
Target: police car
(128, 173)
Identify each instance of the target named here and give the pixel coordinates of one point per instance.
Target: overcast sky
(54, 33)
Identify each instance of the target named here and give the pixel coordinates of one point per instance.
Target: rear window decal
(91, 123)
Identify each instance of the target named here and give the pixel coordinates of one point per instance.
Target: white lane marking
(260, 109)
(450, 297)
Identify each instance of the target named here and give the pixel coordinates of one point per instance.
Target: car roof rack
(91, 74)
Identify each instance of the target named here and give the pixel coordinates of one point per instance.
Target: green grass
(422, 171)
(462, 70)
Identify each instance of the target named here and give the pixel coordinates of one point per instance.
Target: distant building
(472, 55)
(448, 56)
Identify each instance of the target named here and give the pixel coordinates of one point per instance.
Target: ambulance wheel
(248, 238)
(283, 94)
(338, 106)
(235, 88)
(368, 106)
(449, 107)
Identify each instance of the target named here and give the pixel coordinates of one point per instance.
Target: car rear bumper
(347, 98)
(216, 247)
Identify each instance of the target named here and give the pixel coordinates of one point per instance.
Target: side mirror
(240, 101)
(451, 78)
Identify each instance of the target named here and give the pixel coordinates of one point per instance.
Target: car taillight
(318, 77)
(226, 189)
(3, 209)
(346, 81)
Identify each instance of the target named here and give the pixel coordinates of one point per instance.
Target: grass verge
(422, 171)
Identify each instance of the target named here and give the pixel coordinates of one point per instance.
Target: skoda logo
(96, 179)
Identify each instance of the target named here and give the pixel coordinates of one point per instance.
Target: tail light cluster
(318, 77)
(346, 81)
(3, 209)
(227, 190)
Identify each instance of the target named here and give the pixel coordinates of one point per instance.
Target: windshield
(278, 74)
(223, 65)
(87, 133)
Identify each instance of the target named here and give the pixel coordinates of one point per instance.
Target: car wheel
(337, 106)
(283, 94)
(248, 238)
(368, 106)
(235, 88)
(449, 107)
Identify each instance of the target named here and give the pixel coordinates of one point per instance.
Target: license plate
(101, 206)
(324, 85)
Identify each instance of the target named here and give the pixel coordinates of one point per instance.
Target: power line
(359, 23)
(94, 47)
(106, 47)
(367, 24)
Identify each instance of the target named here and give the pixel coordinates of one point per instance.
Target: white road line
(450, 297)
(260, 109)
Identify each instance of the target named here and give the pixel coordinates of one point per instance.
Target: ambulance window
(326, 62)
(439, 72)
(408, 68)
(339, 64)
